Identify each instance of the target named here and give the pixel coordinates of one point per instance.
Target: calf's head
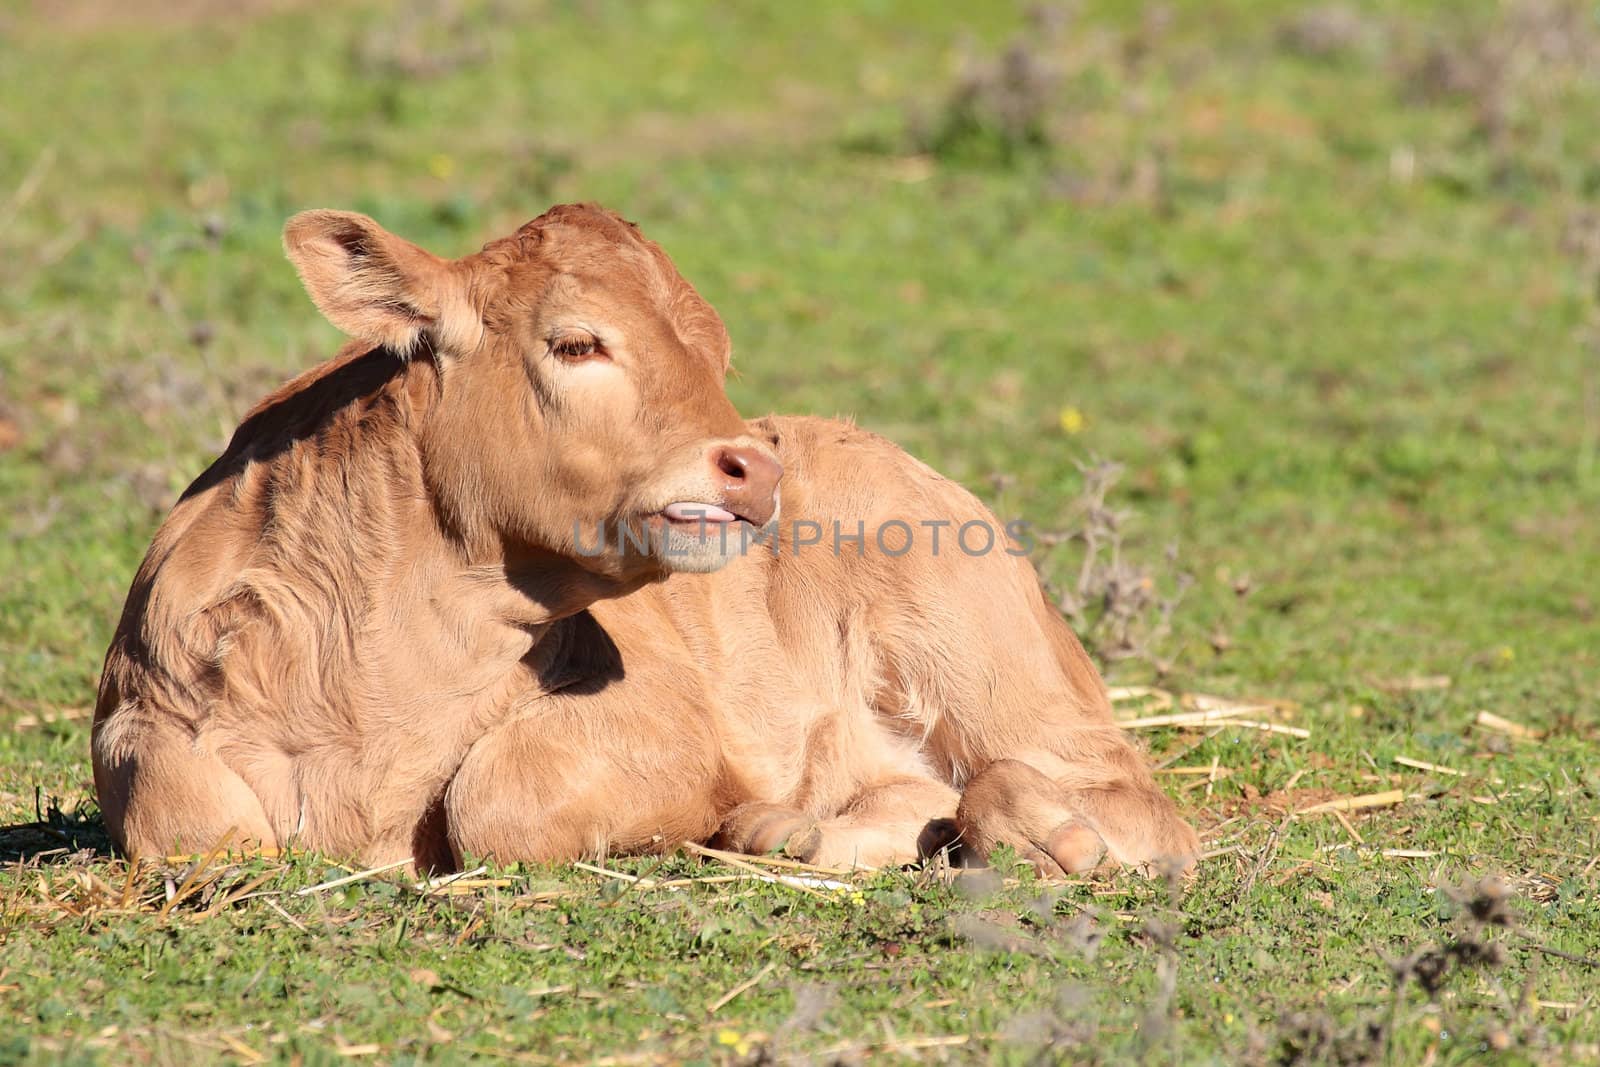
(579, 410)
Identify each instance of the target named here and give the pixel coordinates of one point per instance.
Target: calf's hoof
(770, 829)
(1062, 832)
(1011, 803)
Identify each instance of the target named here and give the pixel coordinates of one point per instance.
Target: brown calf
(363, 630)
(379, 567)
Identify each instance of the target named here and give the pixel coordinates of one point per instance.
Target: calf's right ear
(376, 287)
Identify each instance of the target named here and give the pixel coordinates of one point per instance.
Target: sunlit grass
(1329, 303)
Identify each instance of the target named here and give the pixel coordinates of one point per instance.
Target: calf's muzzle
(749, 482)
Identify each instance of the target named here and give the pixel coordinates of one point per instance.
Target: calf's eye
(575, 348)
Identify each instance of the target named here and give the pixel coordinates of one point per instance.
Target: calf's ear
(374, 286)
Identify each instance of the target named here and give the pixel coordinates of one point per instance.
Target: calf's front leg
(1068, 819)
(893, 822)
(164, 791)
(615, 772)
(1027, 729)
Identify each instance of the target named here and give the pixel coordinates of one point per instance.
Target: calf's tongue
(685, 511)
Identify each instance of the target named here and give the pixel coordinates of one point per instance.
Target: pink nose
(749, 482)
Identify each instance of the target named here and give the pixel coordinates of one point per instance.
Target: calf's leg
(965, 647)
(1018, 715)
(1066, 828)
(1068, 807)
(893, 822)
(163, 791)
(584, 776)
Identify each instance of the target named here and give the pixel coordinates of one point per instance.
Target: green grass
(1332, 315)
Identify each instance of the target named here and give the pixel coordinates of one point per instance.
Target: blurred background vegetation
(1321, 278)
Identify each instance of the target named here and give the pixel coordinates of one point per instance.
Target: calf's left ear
(374, 286)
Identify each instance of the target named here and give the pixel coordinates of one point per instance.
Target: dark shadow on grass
(56, 838)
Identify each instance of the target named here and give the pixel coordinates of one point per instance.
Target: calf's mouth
(700, 515)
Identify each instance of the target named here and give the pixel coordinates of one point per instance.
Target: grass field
(1323, 280)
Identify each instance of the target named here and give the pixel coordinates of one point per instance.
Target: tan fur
(372, 628)
(382, 565)
(834, 705)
